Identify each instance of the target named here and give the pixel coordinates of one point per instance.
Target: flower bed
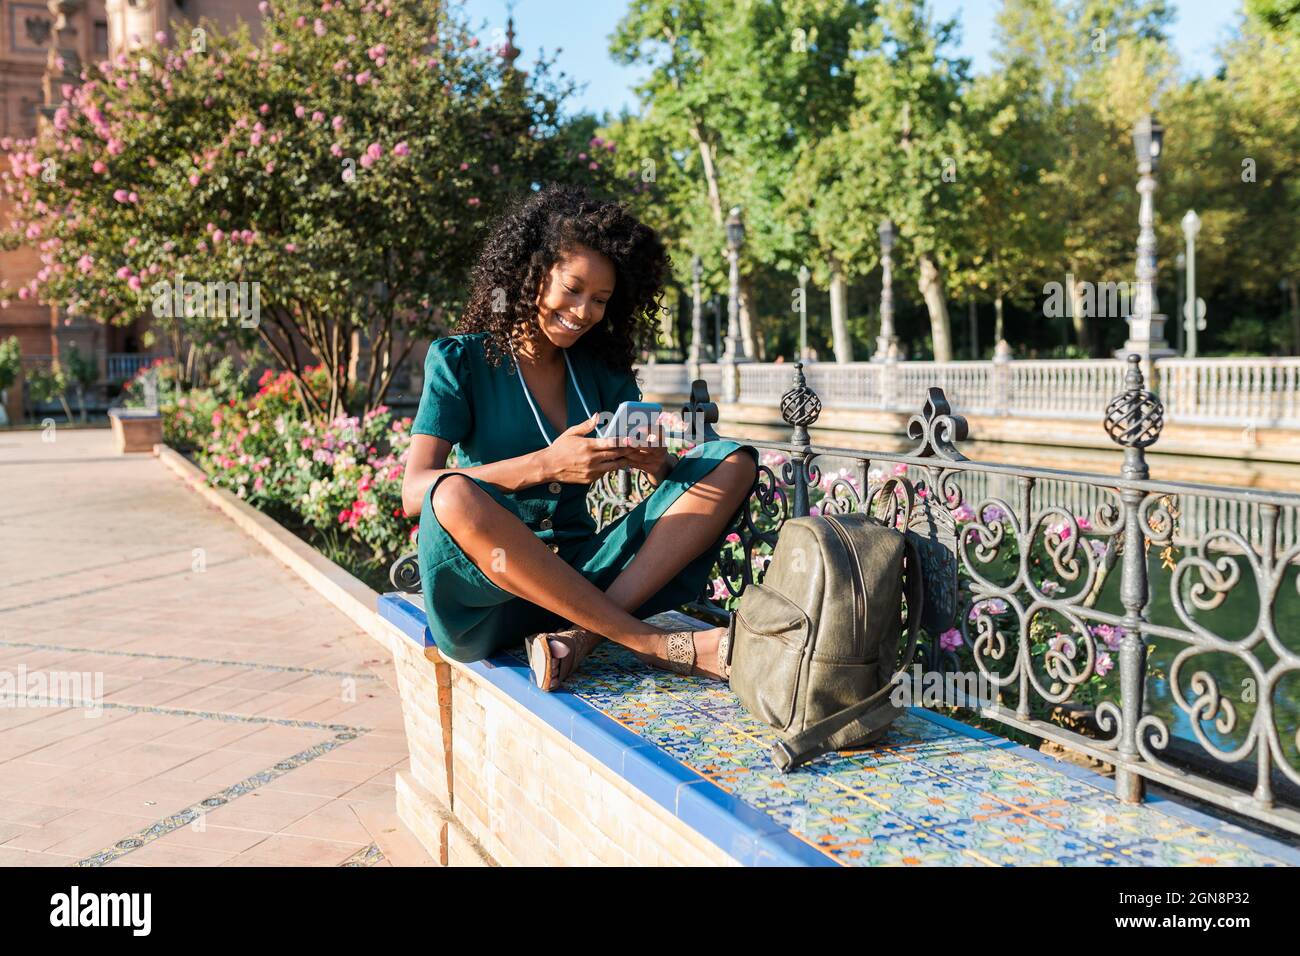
(338, 484)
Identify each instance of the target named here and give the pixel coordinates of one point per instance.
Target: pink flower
(264, 109)
(290, 247)
(374, 151)
(86, 263)
(269, 167)
(363, 78)
(336, 149)
(1104, 664)
(121, 195)
(473, 200)
(317, 116)
(194, 179)
(950, 639)
(99, 167)
(401, 149)
(337, 122)
(300, 111)
(319, 27)
(367, 160)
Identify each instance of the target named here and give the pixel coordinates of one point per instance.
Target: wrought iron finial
(937, 429)
(800, 406)
(699, 413)
(1134, 419)
(1135, 416)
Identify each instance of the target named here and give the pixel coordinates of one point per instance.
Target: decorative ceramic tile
(929, 794)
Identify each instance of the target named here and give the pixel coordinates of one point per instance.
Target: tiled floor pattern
(244, 721)
(928, 795)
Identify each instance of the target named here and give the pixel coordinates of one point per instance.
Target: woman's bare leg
(511, 556)
(679, 536)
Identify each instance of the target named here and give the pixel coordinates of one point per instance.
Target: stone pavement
(243, 720)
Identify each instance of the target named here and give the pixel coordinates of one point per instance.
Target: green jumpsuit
(487, 415)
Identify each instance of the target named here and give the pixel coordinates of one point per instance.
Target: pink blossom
(319, 27)
(86, 263)
(375, 151)
(300, 111)
(121, 195)
(1104, 664)
(99, 167)
(473, 200)
(317, 117)
(401, 149)
(264, 108)
(194, 179)
(950, 639)
(337, 122)
(363, 78)
(367, 160)
(269, 167)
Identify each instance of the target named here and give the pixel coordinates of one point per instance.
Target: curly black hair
(534, 234)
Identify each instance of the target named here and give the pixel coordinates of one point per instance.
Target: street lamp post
(697, 318)
(1193, 317)
(804, 276)
(1146, 326)
(1180, 264)
(735, 352)
(886, 341)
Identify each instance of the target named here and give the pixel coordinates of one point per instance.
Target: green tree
(323, 189)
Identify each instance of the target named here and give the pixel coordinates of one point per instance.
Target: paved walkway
(244, 721)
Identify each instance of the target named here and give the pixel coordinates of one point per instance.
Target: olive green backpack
(813, 648)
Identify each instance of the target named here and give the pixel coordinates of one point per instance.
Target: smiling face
(574, 295)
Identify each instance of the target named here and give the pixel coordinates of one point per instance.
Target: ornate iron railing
(1197, 699)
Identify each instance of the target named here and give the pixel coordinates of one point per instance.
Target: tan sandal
(679, 647)
(549, 671)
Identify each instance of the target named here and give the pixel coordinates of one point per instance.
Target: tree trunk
(973, 323)
(1081, 323)
(840, 341)
(748, 332)
(1295, 315)
(931, 286)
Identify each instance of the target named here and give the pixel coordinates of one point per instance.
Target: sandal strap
(724, 651)
(680, 651)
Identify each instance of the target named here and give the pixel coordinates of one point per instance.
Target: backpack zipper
(859, 587)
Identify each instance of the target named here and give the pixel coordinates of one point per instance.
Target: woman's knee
(742, 467)
(455, 496)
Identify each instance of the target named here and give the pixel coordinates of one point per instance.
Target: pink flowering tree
(322, 190)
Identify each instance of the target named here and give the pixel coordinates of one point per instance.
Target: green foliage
(330, 180)
(11, 361)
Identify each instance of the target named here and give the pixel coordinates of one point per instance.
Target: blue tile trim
(1168, 805)
(750, 836)
(406, 616)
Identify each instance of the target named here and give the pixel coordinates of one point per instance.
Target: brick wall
(492, 783)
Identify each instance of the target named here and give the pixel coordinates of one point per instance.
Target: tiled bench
(631, 765)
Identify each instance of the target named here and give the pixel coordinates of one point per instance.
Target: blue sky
(581, 28)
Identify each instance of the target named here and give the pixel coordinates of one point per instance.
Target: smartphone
(637, 420)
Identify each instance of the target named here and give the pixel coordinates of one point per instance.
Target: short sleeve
(445, 409)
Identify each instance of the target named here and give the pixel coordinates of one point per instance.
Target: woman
(565, 293)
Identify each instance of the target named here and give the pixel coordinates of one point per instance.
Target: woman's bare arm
(571, 458)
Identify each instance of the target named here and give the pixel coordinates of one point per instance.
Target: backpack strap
(864, 718)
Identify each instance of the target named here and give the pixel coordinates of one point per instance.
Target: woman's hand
(652, 457)
(578, 460)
